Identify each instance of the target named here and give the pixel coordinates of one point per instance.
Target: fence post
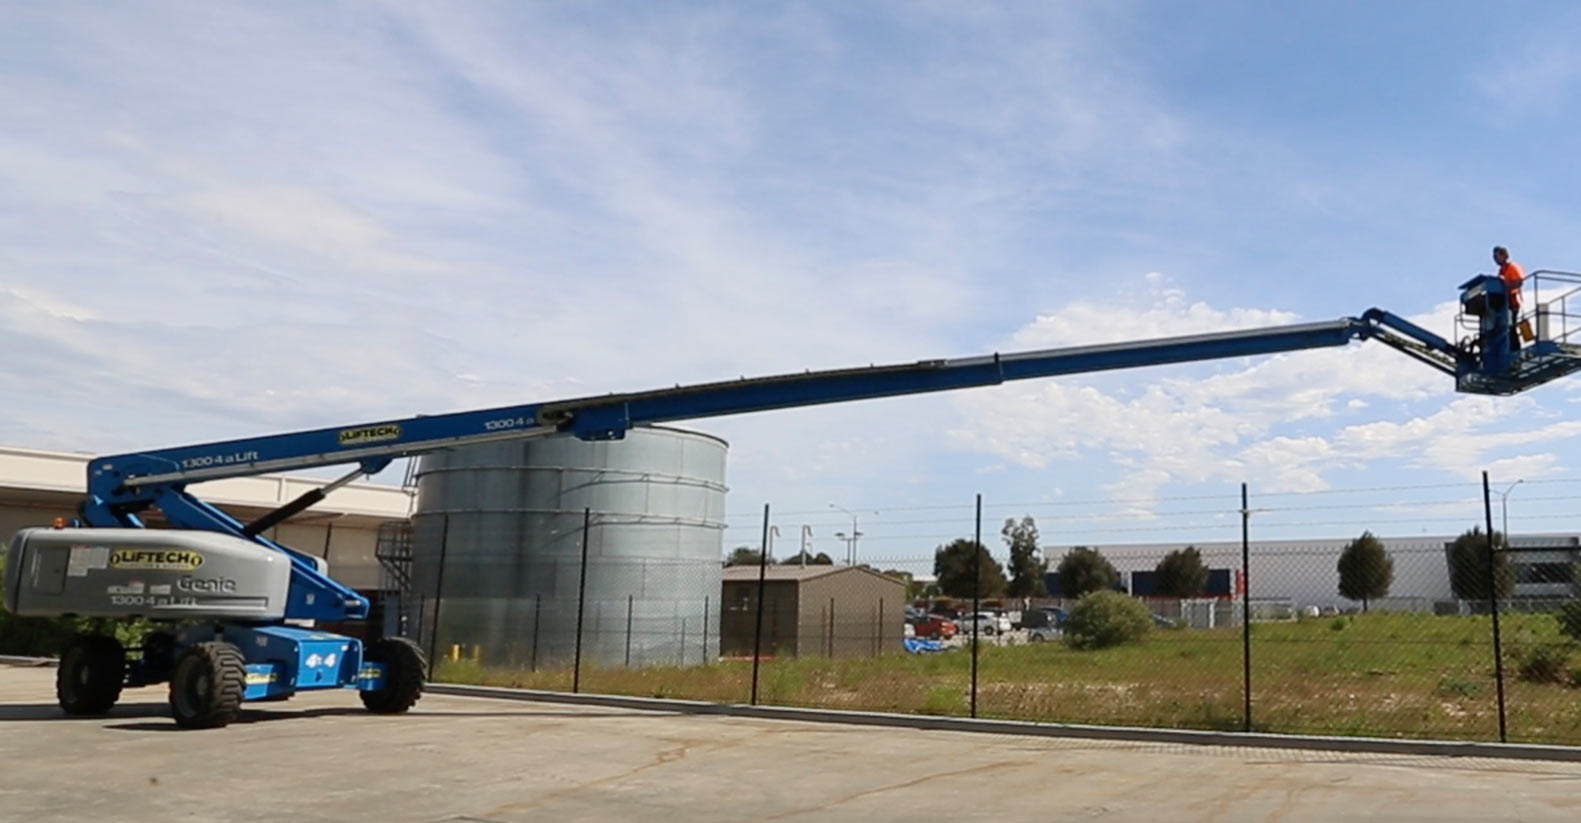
(581, 595)
(1246, 609)
(537, 617)
(439, 591)
(704, 659)
(422, 621)
(757, 635)
(1493, 602)
(977, 595)
(823, 632)
(629, 600)
(831, 627)
(878, 642)
(682, 644)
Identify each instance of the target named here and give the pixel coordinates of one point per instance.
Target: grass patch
(1388, 675)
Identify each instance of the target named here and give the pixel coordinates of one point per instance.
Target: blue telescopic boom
(121, 486)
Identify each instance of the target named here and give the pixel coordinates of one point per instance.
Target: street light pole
(1504, 509)
(850, 552)
(806, 542)
(849, 540)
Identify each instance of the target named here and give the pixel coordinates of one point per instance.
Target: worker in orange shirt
(1512, 274)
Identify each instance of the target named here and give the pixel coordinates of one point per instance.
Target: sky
(221, 220)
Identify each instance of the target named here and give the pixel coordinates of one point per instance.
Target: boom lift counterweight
(243, 588)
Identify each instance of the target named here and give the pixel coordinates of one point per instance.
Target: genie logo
(206, 585)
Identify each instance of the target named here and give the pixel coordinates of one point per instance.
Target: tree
(1181, 573)
(820, 559)
(1026, 571)
(745, 556)
(1365, 570)
(952, 565)
(902, 576)
(1085, 570)
(1468, 566)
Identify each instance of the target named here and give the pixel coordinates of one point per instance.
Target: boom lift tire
(403, 680)
(91, 673)
(207, 685)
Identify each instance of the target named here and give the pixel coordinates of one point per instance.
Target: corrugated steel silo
(498, 528)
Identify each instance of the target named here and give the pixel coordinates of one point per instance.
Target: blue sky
(221, 220)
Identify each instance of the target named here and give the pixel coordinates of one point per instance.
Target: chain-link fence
(1203, 613)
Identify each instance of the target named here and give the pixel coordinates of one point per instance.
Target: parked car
(933, 626)
(1044, 624)
(987, 623)
(1049, 616)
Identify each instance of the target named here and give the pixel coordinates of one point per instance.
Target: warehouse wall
(17, 516)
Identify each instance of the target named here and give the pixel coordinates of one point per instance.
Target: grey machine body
(161, 574)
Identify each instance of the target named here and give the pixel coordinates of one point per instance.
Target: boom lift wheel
(91, 673)
(207, 686)
(403, 678)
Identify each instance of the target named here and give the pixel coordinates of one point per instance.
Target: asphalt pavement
(320, 757)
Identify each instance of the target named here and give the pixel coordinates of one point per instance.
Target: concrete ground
(320, 757)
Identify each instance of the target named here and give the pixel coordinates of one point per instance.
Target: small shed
(828, 611)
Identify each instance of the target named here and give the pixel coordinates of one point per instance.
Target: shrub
(943, 700)
(1454, 685)
(1545, 663)
(1569, 616)
(1106, 618)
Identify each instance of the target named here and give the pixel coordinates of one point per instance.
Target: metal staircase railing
(393, 550)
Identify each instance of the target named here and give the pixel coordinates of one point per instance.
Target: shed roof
(796, 574)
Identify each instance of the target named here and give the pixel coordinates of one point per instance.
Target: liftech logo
(369, 434)
(173, 560)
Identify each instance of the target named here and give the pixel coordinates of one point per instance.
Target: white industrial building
(1305, 571)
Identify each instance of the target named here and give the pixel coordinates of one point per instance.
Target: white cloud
(229, 220)
(1160, 310)
(1243, 420)
(303, 219)
(1524, 466)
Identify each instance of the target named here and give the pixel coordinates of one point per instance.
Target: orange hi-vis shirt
(1512, 274)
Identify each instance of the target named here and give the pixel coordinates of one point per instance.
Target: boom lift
(239, 592)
